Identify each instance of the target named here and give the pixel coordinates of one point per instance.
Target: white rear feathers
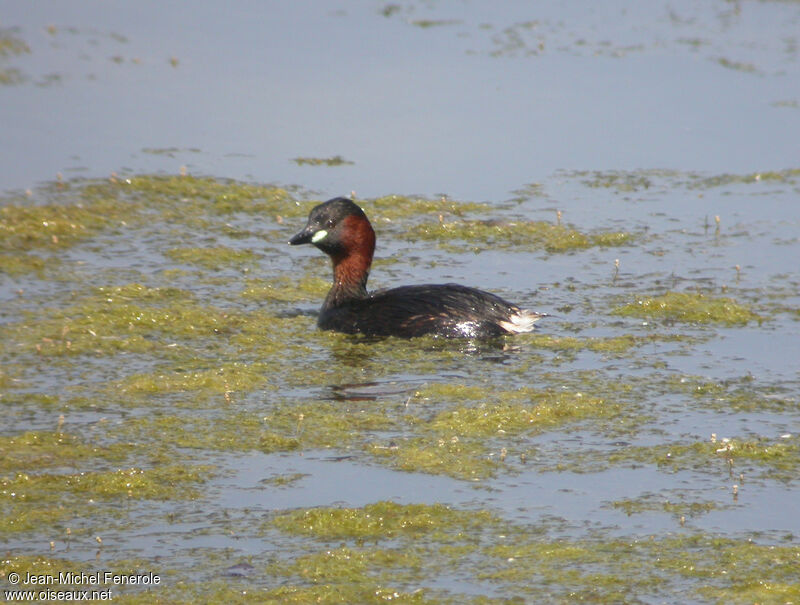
(521, 321)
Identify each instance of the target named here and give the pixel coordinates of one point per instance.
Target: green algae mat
(170, 408)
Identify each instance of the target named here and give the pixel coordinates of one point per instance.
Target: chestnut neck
(351, 263)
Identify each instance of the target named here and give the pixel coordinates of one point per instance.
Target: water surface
(170, 407)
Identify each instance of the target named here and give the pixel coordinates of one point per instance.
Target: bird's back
(448, 310)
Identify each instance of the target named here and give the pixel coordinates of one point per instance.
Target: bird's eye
(330, 223)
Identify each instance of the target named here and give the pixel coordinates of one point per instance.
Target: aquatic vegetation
(789, 175)
(44, 501)
(152, 484)
(265, 335)
(451, 441)
(511, 561)
(24, 565)
(621, 180)
(284, 480)
(336, 160)
(134, 291)
(454, 441)
(21, 263)
(359, 575)
(775, 459)
(625, 567)
(739, 394)
(394, 207)
(231, 432)
(528, 191)
(426, 23)
(10, 46)
(611, 345)
(200, 383)
(101, 323)
(10, 76)
(357, 356)
(557, 564)
(351, 565)
(170, 151)
(523, 559)
(678, 507)
(8, 377)
(286, 289)
(691, 307)
(759, 457)
(738, 65)
(287, 428)
(39, 449)
(628, 181)
(468, 460)
(524, 235)
(762, 571)
(213, 258)
(542, 410)
(187, 195)
(162, 367)
(325, 425)
(56, 226)
(381, 521)
(237, 593)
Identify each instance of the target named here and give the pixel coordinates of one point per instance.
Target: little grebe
(341, 230)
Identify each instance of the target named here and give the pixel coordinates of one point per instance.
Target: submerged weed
(12, 45)
(38, 449)
(613, 345)
(766, 458)
(454, 441)
(152, 484)
(130, 318)
(288, 427)
(468, 460)
(214, 367)
(215, 258)
(544, 410)
(20, 263)
(187, 195)
(336, 160)
(346, 564)
(620, 180)
(690, 307)
(286, 289)
(654, 566)
(224, 379)
(396, 207)
(57, 226)
(36, 565)
(523, 235)
(677, 507)
(36, 501)
(382, 520)
(738, 394)
(790, 175)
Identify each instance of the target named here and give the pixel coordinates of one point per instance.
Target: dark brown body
(341, 230)
(446, 310)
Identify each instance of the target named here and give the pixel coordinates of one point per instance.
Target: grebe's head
(338, 227)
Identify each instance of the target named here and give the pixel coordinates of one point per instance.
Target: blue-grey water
(617, 111)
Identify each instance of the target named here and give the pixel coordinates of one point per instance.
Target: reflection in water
(396, 357)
